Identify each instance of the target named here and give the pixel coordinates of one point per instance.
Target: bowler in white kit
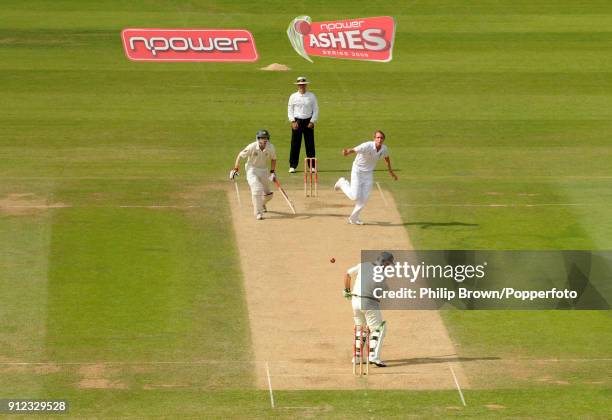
(362, 174)
(258, 154)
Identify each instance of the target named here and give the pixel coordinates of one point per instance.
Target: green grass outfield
(498, 116)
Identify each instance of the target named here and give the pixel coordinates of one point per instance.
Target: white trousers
(358, 190)
(260, 188)
(373, 319)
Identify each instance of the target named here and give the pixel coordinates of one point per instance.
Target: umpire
(303, 112)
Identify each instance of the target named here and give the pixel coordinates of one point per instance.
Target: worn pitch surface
(301, 326)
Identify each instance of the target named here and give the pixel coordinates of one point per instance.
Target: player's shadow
(280, 215)
(431, 360)
(348, 170)
(427, 225)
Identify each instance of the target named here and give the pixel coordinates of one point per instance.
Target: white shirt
(303, 106)
(367, 289)
(368, 156)
(257, 158)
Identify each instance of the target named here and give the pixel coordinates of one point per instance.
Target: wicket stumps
(311, 177)
(361, 347)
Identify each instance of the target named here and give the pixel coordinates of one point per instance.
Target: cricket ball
(332, 260)
(302, 27)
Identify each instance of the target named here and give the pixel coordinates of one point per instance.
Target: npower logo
(369, 39)
(189, 45)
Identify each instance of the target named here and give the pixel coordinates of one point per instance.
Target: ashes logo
(369, 39)
(189, 45)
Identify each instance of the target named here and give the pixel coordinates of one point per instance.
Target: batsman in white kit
(362, 174)
(366, 308)
(257, 155)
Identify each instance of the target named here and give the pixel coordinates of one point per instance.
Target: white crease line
(457, 384)
(66, 206)
(603, 359)
(496, 205)
(382, 194)
(404, 177)
(158, 207)
(303, 408)
(414, 377)
(270, 385)
(42, 206)
(170, 206)
(208, 361)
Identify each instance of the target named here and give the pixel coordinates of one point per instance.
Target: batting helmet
(385, 258)
(261, 134)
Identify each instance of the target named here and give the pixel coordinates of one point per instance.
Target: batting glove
(347, 294)
(272, 176)
(233, 173)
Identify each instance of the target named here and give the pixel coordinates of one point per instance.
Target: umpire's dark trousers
(296, 142)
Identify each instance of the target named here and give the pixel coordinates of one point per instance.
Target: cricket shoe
(378, 362)
(259, 216)
(355, 222)
(338, 184)
(313, 170)
(291, 170)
